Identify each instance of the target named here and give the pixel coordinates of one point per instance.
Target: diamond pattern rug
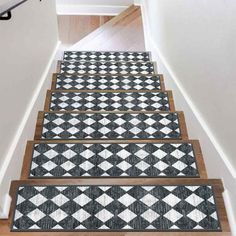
(106, 56)
(103, 68)
(107, 208)
(108, 82)
(113, 160)
(123, 101)
(110, 126)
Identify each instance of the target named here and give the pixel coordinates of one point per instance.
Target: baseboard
(5, 206)
(12, 164)
(214, 156)
(77, 9)
(230, 212)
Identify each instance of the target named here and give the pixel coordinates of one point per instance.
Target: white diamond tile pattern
(106, 56)
(109, 208)
(147, 101)
(108, 82)
(104, 68)
(158, 208)
(114, 160)
(111, 126)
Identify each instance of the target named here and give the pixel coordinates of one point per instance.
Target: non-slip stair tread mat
(113, 160)
(106, 56)
(122, 101)
(116, 208)
(111, 126)
(109, 82)
(80, 67)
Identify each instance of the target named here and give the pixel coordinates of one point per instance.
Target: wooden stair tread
(104, 68)
(206, 191)
(114, 73)
(128, 56)
(79, 159)
(107, 82)
(72, 125)
(99, 100)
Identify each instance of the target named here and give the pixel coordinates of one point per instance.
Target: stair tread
(107, 82)
(109, 101)
(103, 68)
(65, 160)
(110, 125)
(150, 207)
(106, 56)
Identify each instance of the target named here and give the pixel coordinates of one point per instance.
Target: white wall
(97, 2)
(27, 44)
(92, 7)
(194, 44)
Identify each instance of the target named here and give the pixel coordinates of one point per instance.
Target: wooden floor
(122, 33)
(72, 28)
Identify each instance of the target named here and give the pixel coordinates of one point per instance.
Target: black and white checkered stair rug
(108, 82)
(113, 160)
(106, 56)
(115, 208)
(109, 101)
(103, 68)
(71, 125)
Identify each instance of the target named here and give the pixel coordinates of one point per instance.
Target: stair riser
(109, 101)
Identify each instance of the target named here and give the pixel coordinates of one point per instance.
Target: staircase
(111, 155)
